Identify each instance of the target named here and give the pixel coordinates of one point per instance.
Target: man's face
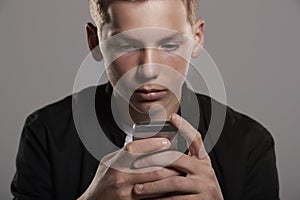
(146, 48)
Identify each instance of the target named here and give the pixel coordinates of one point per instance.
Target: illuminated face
(146, 47)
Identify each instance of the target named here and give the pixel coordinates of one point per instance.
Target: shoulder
(50, 115)
(239, 130)
(58, 116)
(51, 112)
(243, 154)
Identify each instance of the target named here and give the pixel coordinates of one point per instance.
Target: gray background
(255, 43)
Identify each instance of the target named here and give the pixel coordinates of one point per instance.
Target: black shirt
(53, 163)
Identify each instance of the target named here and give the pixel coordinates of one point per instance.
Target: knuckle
(130, 147)
(118, 181)
(195, 138)
(123, 194)
(208, 160)
(151, 159)
(158, 174)
(150, 187)
(198, 137)
(176, 182)
(211, 172)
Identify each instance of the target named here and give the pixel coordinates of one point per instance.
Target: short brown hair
(99, 10)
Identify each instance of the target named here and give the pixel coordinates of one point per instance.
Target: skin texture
(190, 176)
(125, 16)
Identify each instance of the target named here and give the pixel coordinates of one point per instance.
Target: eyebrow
(163, 40)
(173, 36)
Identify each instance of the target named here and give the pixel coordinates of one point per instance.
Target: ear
(93, 42)
(198, 29)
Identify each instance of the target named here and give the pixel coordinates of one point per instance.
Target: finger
(180, 197)
(132, 150)
(177, 184)
(155, 175)
(191, 135)
(174, 159)
(148, 145)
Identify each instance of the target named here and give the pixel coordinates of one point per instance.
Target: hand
(200, 181)
(115, 177)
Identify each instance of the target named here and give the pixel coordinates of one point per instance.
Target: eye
(126, 47)
(170, 46)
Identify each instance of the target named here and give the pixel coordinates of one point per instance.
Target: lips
(150, 94)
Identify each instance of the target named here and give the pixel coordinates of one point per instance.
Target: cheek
(178, 64)
(120, 66)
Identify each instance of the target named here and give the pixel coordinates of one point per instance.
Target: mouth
(150, 94)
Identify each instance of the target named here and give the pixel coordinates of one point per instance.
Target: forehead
(166, 14)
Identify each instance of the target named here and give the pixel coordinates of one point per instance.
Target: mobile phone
(157, 129)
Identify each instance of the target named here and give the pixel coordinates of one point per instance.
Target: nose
(149, 67)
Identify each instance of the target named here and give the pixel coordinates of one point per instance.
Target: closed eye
(170, 46)
(126, 47)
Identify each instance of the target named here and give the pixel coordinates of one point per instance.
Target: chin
(144, 108)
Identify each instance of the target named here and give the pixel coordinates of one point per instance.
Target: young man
(53, 163)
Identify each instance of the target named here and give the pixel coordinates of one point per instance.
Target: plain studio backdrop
(254, 43)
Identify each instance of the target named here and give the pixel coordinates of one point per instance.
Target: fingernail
(165, 142)
(137, 163)
(139, 188)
